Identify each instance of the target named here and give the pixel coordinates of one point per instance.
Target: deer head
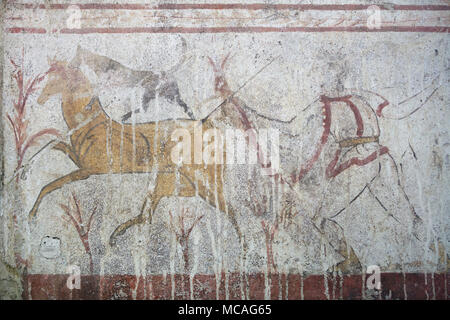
(220, 83)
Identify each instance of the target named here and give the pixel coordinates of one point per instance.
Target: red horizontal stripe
(434, 29)
(285, 286)
(230, 6)
(26, 30)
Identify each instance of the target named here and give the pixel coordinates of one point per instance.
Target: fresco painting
(224, 150)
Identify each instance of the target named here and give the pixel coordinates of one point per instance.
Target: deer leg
(231, 214)
(80, 174)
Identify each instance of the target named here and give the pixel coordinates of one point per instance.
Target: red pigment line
(104, 287)
(358, 118)
(323, 140)
(332, 172)
(301, 7)
(381, 107)
(433, 29)
(233, 6)
(26, 30)
(355, 110)
(248, 126)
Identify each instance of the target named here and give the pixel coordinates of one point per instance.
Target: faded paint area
(94, 206)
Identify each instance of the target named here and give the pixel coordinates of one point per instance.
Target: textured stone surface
(357, 95)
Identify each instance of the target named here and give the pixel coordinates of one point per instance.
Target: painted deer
(99, 145)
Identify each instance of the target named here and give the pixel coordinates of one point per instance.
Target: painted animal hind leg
(226, 208)
(80, 174)
(67, 149)
(165, 183)
(139, 219)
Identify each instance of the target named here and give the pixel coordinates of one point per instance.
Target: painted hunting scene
(271, 155)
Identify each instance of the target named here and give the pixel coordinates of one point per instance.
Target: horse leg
(149, 95)
(65, 148)
(221, 204)
(397, 196)
(227, 209)
(139, 219)
(80, 174)
(164, 187)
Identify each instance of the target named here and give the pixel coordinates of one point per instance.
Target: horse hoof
(32, 216)
(112, 242)
(113, 238)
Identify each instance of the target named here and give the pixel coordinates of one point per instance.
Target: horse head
(54, 83)
(63, 78)
(75, 89)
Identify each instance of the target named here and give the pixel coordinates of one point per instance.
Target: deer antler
(222, 64)
(213, 64)
(224, 61)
